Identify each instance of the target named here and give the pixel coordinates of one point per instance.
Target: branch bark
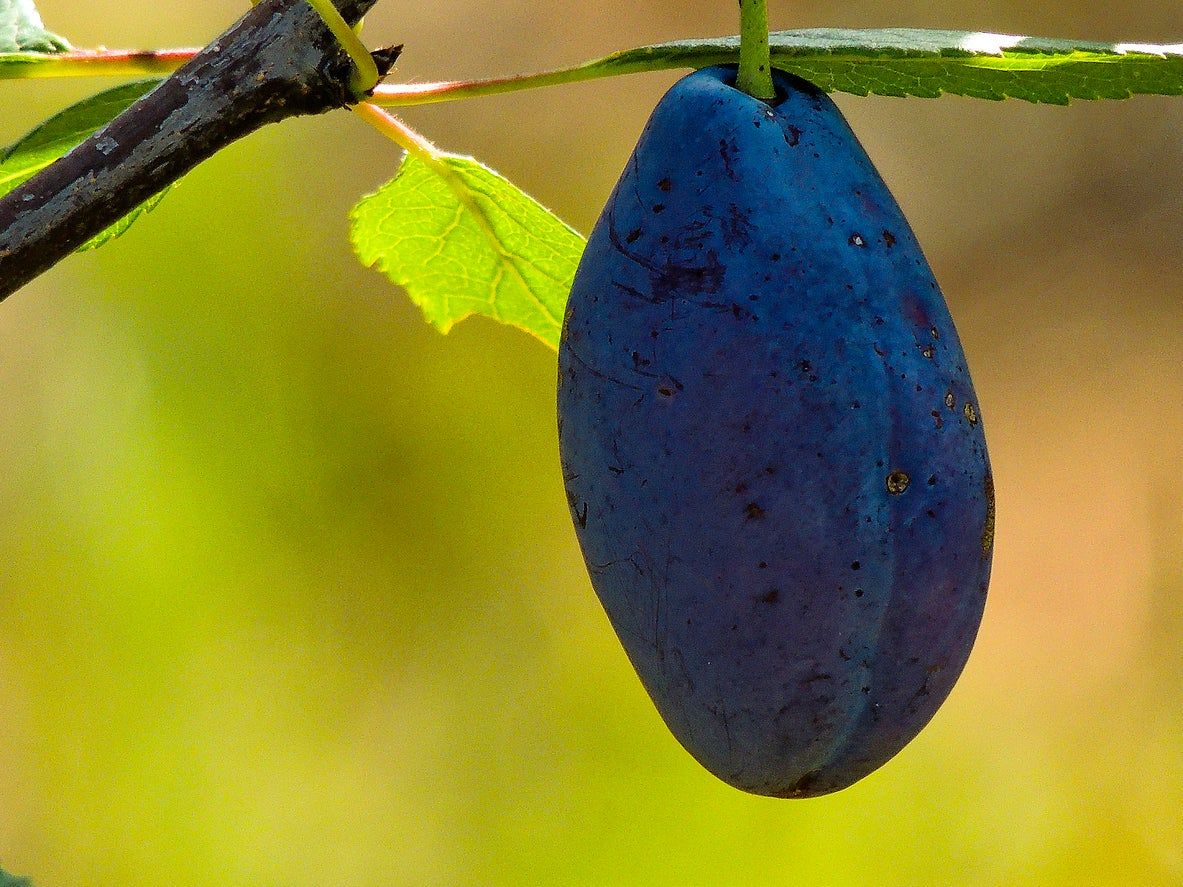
(277, 61)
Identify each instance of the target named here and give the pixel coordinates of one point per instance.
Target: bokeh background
(288, 591)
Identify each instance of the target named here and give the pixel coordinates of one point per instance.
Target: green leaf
(463, 240)
(21, 29)
(7, 880)
(926, 64)
(59, 134)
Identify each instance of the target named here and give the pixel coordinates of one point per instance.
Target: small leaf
(463, 240)
(7, 880)
(59, 134)
(927, 64)
(21, 29)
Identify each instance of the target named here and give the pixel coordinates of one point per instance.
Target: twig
(278, 61)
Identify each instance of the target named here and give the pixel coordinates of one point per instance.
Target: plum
(772, 450)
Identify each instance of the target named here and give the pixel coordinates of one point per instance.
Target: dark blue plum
(771, 445)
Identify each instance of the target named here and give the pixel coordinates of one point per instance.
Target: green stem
(755, 58)
(94, 63)
(365, 71)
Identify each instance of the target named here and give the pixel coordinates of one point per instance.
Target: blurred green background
(288, 590)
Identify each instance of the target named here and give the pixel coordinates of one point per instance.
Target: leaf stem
(397, 131)
(409, 94)
(94, 62)
(755, 57)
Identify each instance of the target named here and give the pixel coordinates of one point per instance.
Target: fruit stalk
(755, 57)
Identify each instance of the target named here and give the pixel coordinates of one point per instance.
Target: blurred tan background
(288, 591)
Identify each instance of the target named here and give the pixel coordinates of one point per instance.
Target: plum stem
(755, 57)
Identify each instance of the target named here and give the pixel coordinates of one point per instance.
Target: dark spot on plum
(936, 416)
(858, 592)
(932, 480)
(856, 239)
(753, 511)
(741, 488)
(771, 597)
(763, 565)
(658, 208)
(927, 351)
(665, 185)
(633, 236)
(856, 565)
(897, 482)
(988, 529)
(888, 238)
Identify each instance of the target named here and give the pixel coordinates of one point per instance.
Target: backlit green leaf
(462, 240)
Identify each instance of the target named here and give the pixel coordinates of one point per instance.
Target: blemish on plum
(771, 597)
(664, 185)
(753, 511)
(633, 236)
(856, 239)
(897, 482)
(950, 400)
(971, 414)
(888, 238)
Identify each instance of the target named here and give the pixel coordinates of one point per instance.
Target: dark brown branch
(278, 61)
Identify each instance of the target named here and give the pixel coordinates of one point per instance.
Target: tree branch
(277, 61)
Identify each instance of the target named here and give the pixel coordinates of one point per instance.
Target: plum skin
(772, 449)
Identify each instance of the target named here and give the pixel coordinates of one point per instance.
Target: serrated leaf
(463, 240)
(59, 134)
(927, 64)
(21, 29)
